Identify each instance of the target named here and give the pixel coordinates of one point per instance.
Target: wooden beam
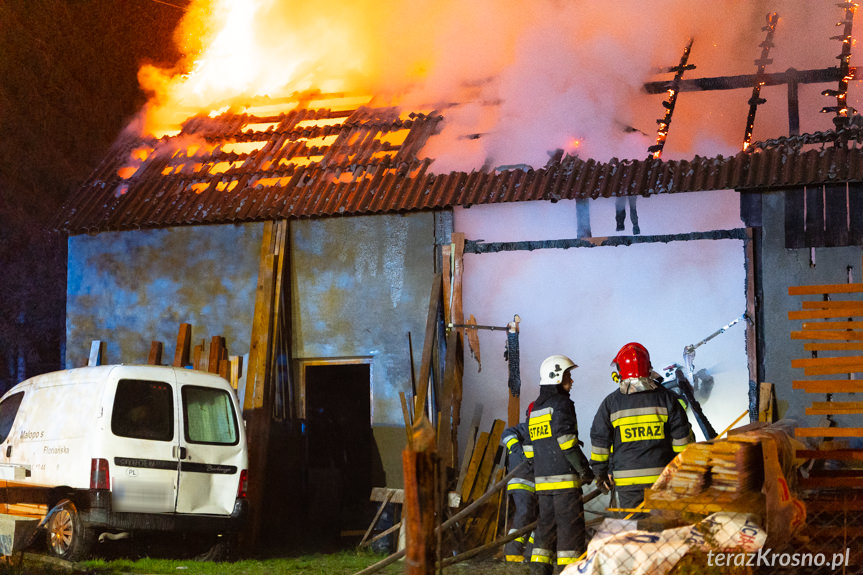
(834, 369)
(825, 289)
(473, 466)
(155, 357)
(487, 463)
(851, 346)
(829, 385)
(834, 304)
(217, 343)
(831, 325)
(827, 361)
(838, 454)
(184, 343)
(815, 76)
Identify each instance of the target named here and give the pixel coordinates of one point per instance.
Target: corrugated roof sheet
(324, 162)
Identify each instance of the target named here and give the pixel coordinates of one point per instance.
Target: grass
(338, 563)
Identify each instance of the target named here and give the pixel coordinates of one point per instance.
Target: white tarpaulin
(618, 549)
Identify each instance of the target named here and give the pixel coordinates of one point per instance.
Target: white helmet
(552, 368)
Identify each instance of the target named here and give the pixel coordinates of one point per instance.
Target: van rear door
(212, 446)
(144, 444)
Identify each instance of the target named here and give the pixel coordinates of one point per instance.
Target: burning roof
(347, 159)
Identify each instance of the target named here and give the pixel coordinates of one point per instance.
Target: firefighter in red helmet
(560, 469)
(637, 429)
(521, 488)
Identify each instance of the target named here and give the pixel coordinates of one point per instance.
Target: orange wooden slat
(833, 304)
(829, 335)
(829, 385)
(825, 361)
(838, 454)
(851, 346)
(828, 432)
(834, 407)
(834, 369)
(825, 313)
(825, 289)
(831, 325)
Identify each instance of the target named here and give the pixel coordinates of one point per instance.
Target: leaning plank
(428, 346)
(828, 431)
(473, 468)
(831, 335)
(487, 464)
(825, 289)
(835, 407)
(377, 516)
(829, 385)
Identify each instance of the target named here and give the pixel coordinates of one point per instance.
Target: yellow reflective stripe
(540, 556)
(567, 444)
(515, 558)
(682, 403)
(520, 486)
(598, 457)
(651, 418)
(511, 442)
(635, 480)
(555, 485)
(678, 448)
(539, 419)
(566, 560)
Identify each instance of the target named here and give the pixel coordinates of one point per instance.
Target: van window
(143, 410)
(8, 410)
(210, 416)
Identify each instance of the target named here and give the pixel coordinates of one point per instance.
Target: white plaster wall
(588, 302)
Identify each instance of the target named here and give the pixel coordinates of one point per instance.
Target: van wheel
(67, 536)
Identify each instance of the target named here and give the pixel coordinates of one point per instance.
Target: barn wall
(587, 302)
(133, 287)
(360, 285)
(782, 268)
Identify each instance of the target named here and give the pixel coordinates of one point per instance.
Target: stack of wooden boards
(215, 360)
(717, 475)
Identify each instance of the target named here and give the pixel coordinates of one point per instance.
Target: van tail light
(243, 487)
(99, 476)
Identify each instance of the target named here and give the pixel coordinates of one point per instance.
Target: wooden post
(155, 357)
(184, 343)
(428, 345)
(420, 473)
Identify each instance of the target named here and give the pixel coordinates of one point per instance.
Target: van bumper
(100, 516)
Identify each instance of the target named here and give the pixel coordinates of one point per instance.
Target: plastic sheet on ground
(618, 548)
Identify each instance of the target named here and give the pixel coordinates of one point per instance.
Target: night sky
(68, 86)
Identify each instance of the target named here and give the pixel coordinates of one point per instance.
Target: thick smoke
(514, 80)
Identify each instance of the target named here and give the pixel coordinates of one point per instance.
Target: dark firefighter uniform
(638, 433)
(559, 467)
(520, 488)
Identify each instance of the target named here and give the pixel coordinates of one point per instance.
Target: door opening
(336, 401)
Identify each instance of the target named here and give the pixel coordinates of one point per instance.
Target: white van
(123, 448)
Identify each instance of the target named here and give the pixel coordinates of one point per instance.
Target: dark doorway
(339, 446)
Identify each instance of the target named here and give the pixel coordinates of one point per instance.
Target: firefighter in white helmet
(637, 429)
(560, 469)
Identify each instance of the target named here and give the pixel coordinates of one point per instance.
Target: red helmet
(529, 409)
(632, 361)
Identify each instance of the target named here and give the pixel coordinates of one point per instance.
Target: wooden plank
(794, 222)
(827, 361)
(830, 482)
(829, 385)
(766, 397)
(814, 216)
(406, 414)
(855, 212)
(428, 346)
(831, 325)
(853, 305)
(377, 516)
(465, 462)
(380, 493)
(837, 346)
(487, 464)
(236, 370)
(834, 369)
(216, 344)
(458, 239)
(825, 289)
(829, 335)
(476, 458)
(835, 407)
(838, 454)
(825, 313)
(184, 343)
(828, 431)
(155, 357)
